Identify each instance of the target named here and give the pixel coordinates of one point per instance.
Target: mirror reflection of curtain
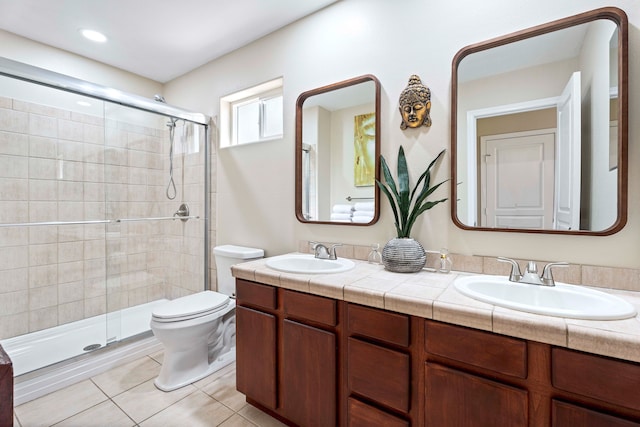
(364, 146)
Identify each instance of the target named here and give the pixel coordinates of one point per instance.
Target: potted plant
(404, 254)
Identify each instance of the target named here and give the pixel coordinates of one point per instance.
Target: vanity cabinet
(463, 374)
(315, 361)
(256, 342)
(287, 353)
(309, 359)
(378, 367)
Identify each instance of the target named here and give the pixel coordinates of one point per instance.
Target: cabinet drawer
(379, 374)
(456, 398)
(498, 353)
(565, 414)
(610, 380)
(363, 415)
(255, 294)
(381, 325)
(309, 307)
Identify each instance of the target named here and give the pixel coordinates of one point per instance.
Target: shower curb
(47, 380)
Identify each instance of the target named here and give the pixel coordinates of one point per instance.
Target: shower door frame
(41, 76)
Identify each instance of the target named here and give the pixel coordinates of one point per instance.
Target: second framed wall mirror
(337, 152)
(539, 128)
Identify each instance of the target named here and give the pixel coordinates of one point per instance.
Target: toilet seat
(190, 307)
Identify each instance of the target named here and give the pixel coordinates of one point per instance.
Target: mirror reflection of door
(517, 174)
(532, 179)
(568, 158)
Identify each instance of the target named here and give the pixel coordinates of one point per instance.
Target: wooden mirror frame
(614, 14)
(298, 146)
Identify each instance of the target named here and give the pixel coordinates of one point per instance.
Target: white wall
(33, 53)
(392, 40)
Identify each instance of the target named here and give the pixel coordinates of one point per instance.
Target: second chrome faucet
(531, 275)
(323, 252)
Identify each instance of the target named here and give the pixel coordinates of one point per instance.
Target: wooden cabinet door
(308, 378)
(455, 398)
(566, 414)
(363, 415)
(256, 355)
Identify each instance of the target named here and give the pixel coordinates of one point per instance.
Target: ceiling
(157, 39)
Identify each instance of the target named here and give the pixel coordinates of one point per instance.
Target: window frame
(230, 104)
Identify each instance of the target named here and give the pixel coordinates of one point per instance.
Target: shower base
(39, 349)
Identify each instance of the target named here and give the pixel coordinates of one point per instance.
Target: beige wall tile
(14, 302)
(14, 325)
(43, 318)
(40, 146)
(14, 257)
(14, 166)
(43, 275)
(14, 121)
(15, 144)
(608, 277)
(43, 125)
(14, 280)
(43, 297)
(472, 264)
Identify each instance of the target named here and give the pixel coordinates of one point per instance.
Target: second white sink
(308, 264)
(561, 300)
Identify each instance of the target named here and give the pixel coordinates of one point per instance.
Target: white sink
(561, 300)
(308, 264)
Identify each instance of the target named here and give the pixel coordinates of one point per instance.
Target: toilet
(198, 331)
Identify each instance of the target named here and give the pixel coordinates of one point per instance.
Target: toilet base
(220, 362)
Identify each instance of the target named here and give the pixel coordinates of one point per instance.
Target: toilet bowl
(198, 331)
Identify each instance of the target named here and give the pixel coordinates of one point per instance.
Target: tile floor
(125, 396)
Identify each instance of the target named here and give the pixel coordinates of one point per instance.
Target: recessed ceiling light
(83, 103)
(94, 35)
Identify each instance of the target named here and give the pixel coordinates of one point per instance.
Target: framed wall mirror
(337, 149)
(539, 128)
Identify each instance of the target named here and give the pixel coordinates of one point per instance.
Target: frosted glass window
(252, 115)
(272, 113)
(248, 122)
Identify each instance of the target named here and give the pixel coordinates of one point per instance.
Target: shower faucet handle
(182, 212)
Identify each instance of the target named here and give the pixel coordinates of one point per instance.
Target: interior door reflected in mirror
(539, 128)
(337, 152)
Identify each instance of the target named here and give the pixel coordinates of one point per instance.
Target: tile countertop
(432, 296)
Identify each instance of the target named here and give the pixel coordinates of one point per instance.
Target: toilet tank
(228, 255)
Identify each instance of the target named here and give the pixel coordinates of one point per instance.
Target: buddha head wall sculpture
(415, 104)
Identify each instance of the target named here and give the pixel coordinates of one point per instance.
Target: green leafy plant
(407, 206)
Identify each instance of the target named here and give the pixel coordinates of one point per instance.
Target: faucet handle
(547, 273)
(332, 251)
(515, 275)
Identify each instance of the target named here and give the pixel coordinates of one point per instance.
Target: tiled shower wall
(59, 165)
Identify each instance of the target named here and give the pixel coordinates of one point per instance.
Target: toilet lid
(191, 305)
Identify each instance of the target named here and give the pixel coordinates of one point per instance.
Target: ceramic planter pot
(403, 255)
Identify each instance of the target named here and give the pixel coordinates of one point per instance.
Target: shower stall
(104, 213)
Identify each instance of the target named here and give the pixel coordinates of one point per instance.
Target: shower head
(159, 98)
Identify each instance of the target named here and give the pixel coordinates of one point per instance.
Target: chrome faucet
(531, 275)
(323, 252)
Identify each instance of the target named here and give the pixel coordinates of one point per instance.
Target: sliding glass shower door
(102, 216)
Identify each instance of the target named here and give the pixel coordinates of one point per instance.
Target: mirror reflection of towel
(342, 209)
(362, 219)
(365, 206)
(341, 216)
